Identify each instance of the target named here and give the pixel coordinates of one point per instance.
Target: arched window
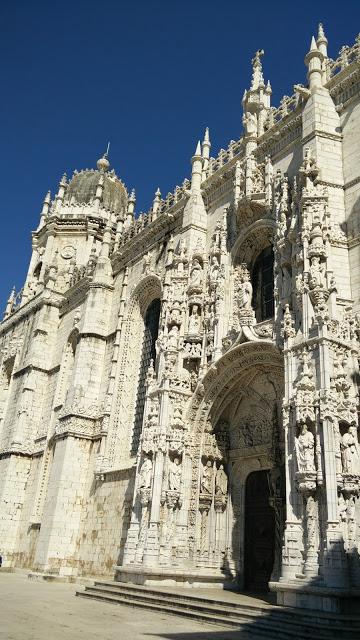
(263, 285)
(151, 328)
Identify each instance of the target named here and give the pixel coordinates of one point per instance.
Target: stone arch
(252, 241)
(254, 248)
(235, 379)
(141, 296)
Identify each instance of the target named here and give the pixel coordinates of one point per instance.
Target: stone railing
(347, 55)
(287, 105)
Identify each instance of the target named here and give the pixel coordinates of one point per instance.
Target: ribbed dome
(82, 189)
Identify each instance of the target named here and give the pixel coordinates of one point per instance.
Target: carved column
(152, 546)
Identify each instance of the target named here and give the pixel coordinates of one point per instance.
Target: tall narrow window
(148, 353)
(263, 285)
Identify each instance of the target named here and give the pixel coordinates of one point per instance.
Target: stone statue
(350, 451)
(174, 478)
(245, 290)
(173, 337)
(214, 268)
(145, 474)
(194, 321)
(250, 123)
(206, 479)
(221, 481)
(317, 274)
(196, 273)
(304, 447)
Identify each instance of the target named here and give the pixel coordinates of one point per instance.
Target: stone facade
(162, 374)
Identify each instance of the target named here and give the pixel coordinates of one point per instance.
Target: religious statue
(194, 321)
(245, 289)
(173, 337)
(250, 123)
(196, 274)
(304, 447)
(206, 478)
(174, 478)
(350, 451)
(221, 481)
(317, 274)
(145, 474)
(214, 268)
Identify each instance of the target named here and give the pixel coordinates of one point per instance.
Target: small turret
(206, 146)
(45, 210)
(59, 198)
(156, 203)
(313, 61)
(322, 41)
(197, 166)
(131, 208)
(10, 303)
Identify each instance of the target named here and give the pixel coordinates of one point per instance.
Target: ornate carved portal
(241, 500)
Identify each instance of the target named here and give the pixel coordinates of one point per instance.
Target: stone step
(271, 621)
(201, 616)
(251, 604)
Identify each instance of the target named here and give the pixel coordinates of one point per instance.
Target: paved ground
(50, 611)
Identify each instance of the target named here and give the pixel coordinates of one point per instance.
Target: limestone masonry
(179, 389)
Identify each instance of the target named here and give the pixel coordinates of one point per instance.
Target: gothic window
(151, 327)
(263, 285)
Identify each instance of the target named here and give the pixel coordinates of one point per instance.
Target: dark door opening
(259, 532)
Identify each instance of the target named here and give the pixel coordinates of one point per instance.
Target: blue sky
(146, 75)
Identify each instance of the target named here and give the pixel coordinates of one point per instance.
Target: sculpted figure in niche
(174, 478)
(250, 123)
(221, 481)
(173, 337)
(207, 478)
(304, 447)
(196, 273)
(245, 290)
(214, 268)
(145, 474)
(194, 321)
(350, 451)
(317, 273)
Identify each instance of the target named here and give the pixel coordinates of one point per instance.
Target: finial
(132, 197)
(157, 200)
(268, 87)
(63, 180)
(322, 41)
(321, 32)
(206, 135)
(103, 163)
(257, 75)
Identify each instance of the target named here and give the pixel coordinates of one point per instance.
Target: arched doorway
(259, 547)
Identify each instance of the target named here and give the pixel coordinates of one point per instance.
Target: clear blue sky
(146, 75)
